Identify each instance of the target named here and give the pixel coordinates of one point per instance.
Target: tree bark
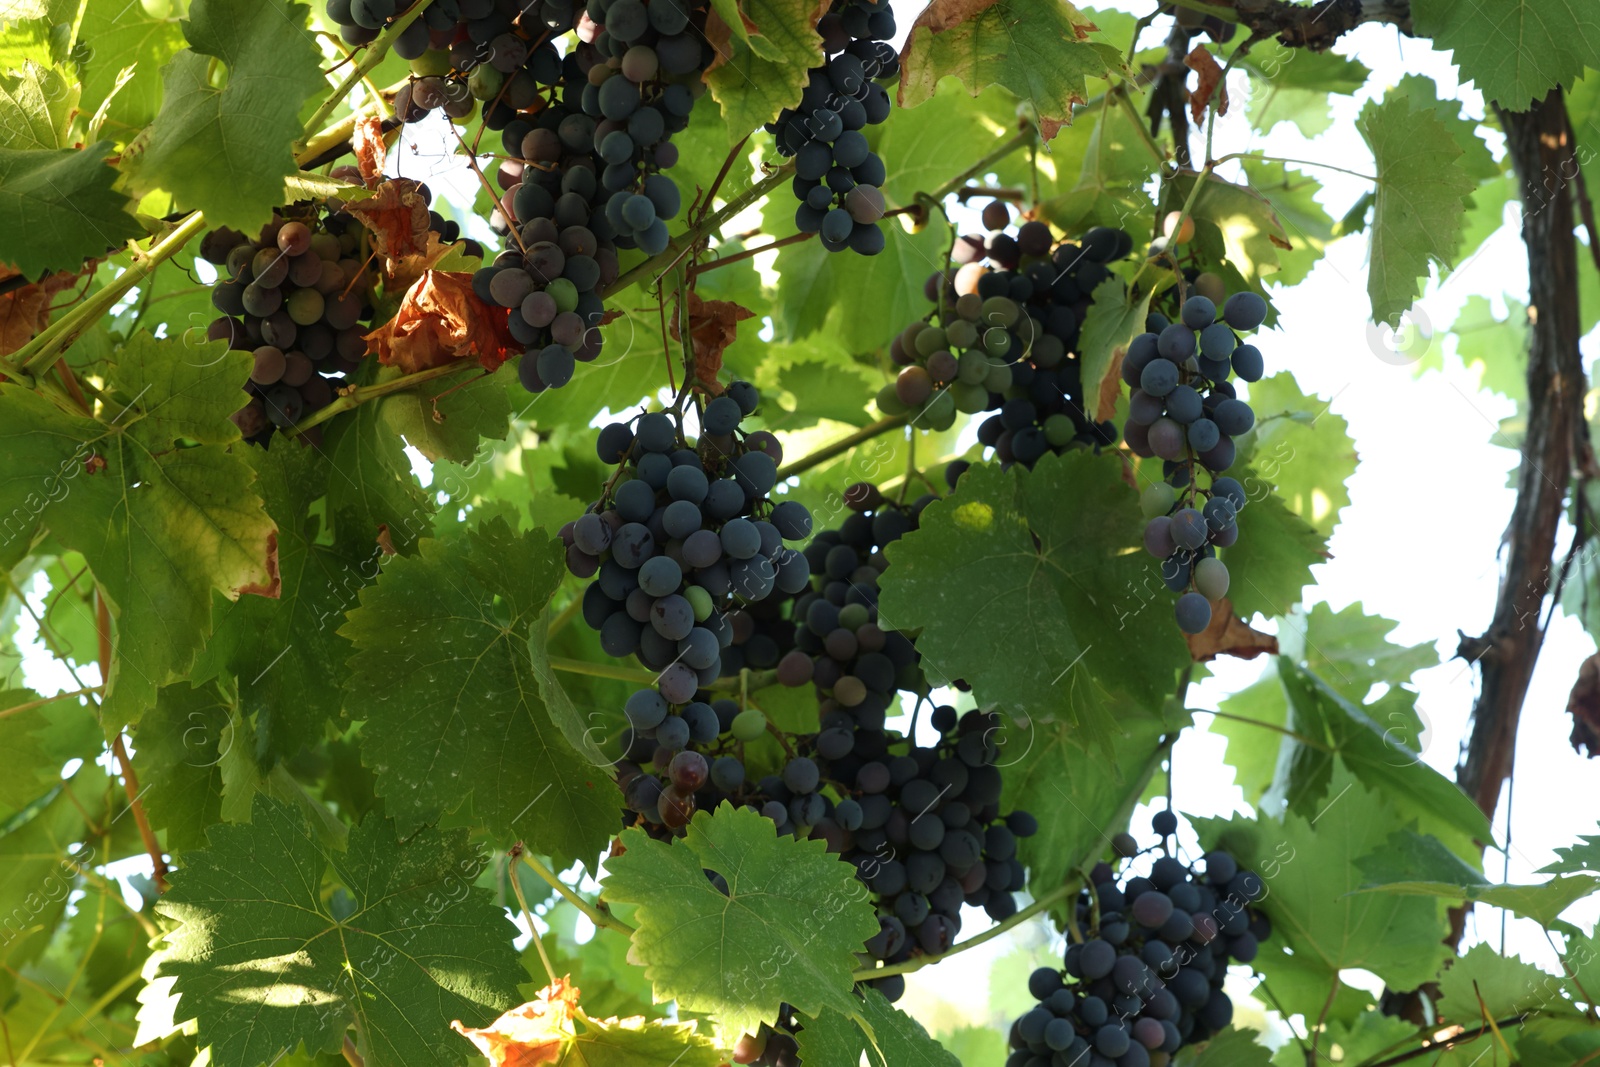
(1541, 147)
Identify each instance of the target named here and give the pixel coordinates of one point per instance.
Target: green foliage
(1310, 866)
(1293, 85)
(1517, 51)
(762, 69)
(1038, 50)
(1420, 206)
(57, 208)
(224, 146)
(444, 680)
(785, 932)
(886, 1035)
(195, 524)
(265, 959)
(125, 35)
(1001, 580)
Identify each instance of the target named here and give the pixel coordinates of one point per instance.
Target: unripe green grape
(996, 342)
(998, 378)
(484, 83)
(305, 306)
(1000, 311)
(939, 413)
(748, 725)
(1059, 430)
(972, 367)
(889, 401)
(1157, 499)
(434, 63)
(564, 293)
(930, 340)
(854, 616)
(1211, 578)
(971, 399)
(700, 601)
(961, 334)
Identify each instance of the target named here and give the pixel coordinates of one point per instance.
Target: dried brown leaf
(441, 319)
(1203, 63)
(25, 312)
(713, 326)
(1228, 635)
(369, 149)
(531, 1033)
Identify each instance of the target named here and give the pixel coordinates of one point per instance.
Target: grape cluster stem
(597, 915)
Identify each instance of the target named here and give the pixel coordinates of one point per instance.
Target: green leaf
(39, 742)
(1414, 865)
(58, 208)
(918, 140)
(1231, 1048)
(1293, 85)
(39, 870)
(637, 1042)
(180, 745)
(1293, 198)
(1253, 749)
(1554, 1042)
(1114, 318)
(123, 35)
(227, 150)
(1507, 985)
(1351, 650)
(1002, 577)
(1476, 158)
(896, 1038)
(40, 103)
(282, 652)
(161, 526)
(1274, 554)
(1037, 49)
(820, 391)
(859, 301)
(443, 678)
(1376, 756)
(1046, 767)
(375, 489)
(1309, 867)
(1115, 162)
(263, 960)
(1301, 449)
(447, 417)
(763, 70)
(1493, 349)
(1235, 227)
(599, 966)
(1582, 858)
(787, 931)
(1421, 199)
(1515, 51)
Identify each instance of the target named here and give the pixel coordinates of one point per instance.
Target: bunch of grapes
(1147, 978)
(838, 178)
(762, 633)
(771, 1046)
(641, 63)
(1184, 410)
(1002, 339)
(297, 297)
(856, 665)
(926, 832)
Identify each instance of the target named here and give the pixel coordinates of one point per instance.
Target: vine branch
(916, 963)
(639, 676)
(597, 914)
(841, 446)
(130, 780)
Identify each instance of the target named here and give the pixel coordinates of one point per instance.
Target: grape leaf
(40, 103)
(58, 208)
(1351, 650)
(180, 745)
(918, 140)
(1507, 985)
(1293, 198)
(762, 58)
(281, 653)
(263, 961)
(1420, 207)
(227, 150)
(1415, 865)
(787, 931)
(1582, 858)
(1230, 1048)
(1309, 866)
(1253, 749)
(160, 526)
(1004, 578)
(1113, 320)
(896, 1038)
(1299, 448)
(1038, 49)
(375, 491)
(1375, 755)
(1109, 190)
(446, 418)
(1514, 51)
(38, 742)
(1493, 349)
(125, 35)
(41, 850)
(1235, 226)
(1274, 555)
(637, 1042)
(821, 391)
(859, 301)
(443, 677)
(1293, 84)
(599, 966)
(1549, 1042)
(1046, 768)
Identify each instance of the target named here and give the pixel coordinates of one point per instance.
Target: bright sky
(1418, 543)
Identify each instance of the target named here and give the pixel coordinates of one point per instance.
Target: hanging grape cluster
(838, 179)
(1184, 410)
(296, 297)
(1003, 338)
(1147, 977)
